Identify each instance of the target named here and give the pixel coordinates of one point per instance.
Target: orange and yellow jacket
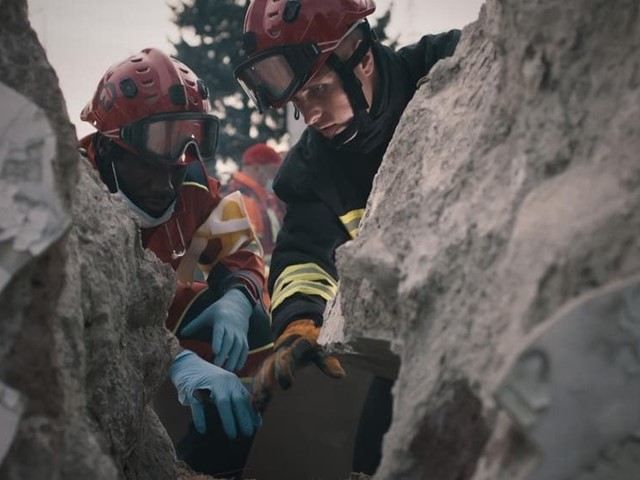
(265, 210)
(209, 258)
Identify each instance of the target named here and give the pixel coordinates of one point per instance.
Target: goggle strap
(353, 88)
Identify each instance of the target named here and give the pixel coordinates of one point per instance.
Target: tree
(380, 27)
(211, 44)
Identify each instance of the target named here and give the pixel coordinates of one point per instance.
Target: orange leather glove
(296, 347)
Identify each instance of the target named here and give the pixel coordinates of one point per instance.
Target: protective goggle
(272, 77)
(165, 137)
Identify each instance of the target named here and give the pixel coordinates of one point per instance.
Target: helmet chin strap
(353, 88)
(146, 220)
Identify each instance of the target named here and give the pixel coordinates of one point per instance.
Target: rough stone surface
(512, 185)
(82, 334)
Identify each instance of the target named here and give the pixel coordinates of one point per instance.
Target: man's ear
(367, 64)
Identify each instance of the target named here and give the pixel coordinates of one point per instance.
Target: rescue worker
(154, 132)
(351, 91)
(254, 181)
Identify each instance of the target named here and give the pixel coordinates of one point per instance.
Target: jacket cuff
(293, 310)
(244, 283)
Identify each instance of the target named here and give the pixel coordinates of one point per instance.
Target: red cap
(260, 154)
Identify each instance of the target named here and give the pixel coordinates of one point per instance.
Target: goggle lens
(272, 78)
(165, 137)
(169, 138)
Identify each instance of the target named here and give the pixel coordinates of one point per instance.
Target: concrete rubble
(83, 346)
(503, 223)
(518, 192)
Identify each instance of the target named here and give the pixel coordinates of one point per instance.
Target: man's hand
(229, 319)
(191, 375)
(297, 346)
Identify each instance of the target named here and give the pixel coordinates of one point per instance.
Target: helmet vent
(147, 82)
(144, 69)
(151, 99)
(128, 88)
(177, 94)
(136, 59)
(291, 11)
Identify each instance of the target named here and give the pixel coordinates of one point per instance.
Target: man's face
(151, 185)
(324, 104)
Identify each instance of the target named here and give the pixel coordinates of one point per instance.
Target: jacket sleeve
(243, 269)
(303, 274)
(423, 55)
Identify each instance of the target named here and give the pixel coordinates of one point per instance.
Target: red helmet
(260, 154)
(287, 42)
(153, 105)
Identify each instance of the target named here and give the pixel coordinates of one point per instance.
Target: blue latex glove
(190, 373)
(229, 319)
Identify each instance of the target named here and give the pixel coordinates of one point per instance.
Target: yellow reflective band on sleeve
(310, 288)
(302, 271)
(351, 221)
(306, 278)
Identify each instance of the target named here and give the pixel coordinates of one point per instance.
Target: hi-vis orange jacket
(265, 210)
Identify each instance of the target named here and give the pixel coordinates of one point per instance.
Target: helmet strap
(105, 153)
(353, 88)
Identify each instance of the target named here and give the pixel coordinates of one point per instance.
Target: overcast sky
(83, 37)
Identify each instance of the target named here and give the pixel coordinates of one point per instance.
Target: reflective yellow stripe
(311, 288)
(302, 277)
(261, 349)
(194, 184)
(306, 278)
(351, 221)
(179, 322)
(352, 215)
(302, 271)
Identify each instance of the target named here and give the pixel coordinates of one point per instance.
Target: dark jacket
(326, 188)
